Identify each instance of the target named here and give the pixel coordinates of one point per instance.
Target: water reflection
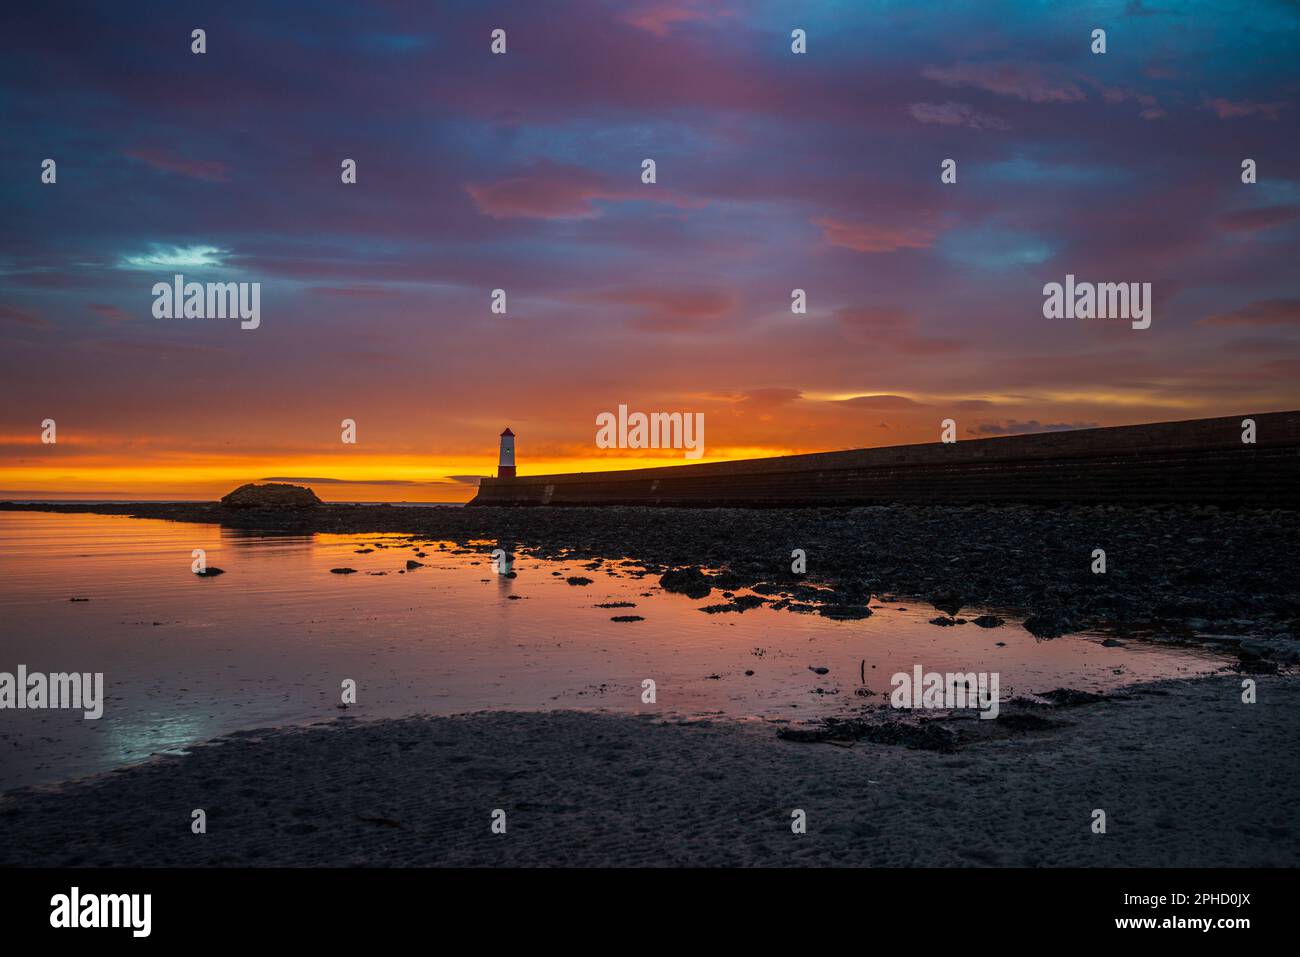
(269, 641)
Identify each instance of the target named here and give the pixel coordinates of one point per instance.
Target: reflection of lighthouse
(506, 469)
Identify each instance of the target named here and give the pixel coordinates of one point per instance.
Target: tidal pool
(272, 640)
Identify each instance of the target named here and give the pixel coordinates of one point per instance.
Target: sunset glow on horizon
(522, 172)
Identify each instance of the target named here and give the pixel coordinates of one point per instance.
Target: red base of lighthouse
(505, 471)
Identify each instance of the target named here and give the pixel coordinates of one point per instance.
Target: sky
(774, 171)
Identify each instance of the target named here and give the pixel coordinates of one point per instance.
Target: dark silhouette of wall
(1199, 460)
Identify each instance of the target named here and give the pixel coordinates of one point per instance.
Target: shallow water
(271, 640)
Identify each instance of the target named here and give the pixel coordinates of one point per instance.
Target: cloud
(169, 257)
(1285, 368)
(956, 114)
(659, 309)
(553, 191)
(879, 402)
(658, 17)
(156, 349)
(169, 162)
(9, 314)
(1013, 427)
(316, 480)
(1261, 312)
(771, 396)
(110, 314)
(1227, 109)
(1024, 81)
(1259, 217)
(356, 292)
(876, 237)
(1151, 108)
(886, 328)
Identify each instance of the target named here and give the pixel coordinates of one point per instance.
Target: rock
(1027, 721)
(819, 670)
(1049, 624)
(210, 571)
(989, 621)
(690, 582)
(1112, 643)
(742, 603)
(78, 599)
(627, 618)
(270, 495)
(948, 603)
(843, 612)
(1069, 697)
(343, 571)
(578, 580)
(1282, 650)
(412, 564)
(943, 622)
(1287, 652)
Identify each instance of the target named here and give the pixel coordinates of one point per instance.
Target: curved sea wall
(1196, 461)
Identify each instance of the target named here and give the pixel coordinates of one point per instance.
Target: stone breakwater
(1251, 459)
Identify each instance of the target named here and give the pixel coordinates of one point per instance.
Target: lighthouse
(506, 468)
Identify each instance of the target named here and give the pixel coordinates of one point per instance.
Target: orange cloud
(1261, 312)
(169, 162)
(552, 191)
(1260, 217)
(880, 402)
(876, 237)
(22, 318)
(888, 328)
(671, 310)
(1227, 109)
(658, 17)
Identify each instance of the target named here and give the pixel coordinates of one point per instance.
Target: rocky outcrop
(272, 495)
(686, 581)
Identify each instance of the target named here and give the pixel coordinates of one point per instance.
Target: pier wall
(1194, 461)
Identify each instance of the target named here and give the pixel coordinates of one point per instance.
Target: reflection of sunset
(283, 628)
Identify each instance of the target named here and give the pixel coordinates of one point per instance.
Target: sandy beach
(1187, 775)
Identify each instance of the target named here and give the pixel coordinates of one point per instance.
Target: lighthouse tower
(506, 468)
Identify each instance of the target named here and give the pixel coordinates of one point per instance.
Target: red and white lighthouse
(506, 468)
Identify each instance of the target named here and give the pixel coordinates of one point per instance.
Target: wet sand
(1186, 773)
